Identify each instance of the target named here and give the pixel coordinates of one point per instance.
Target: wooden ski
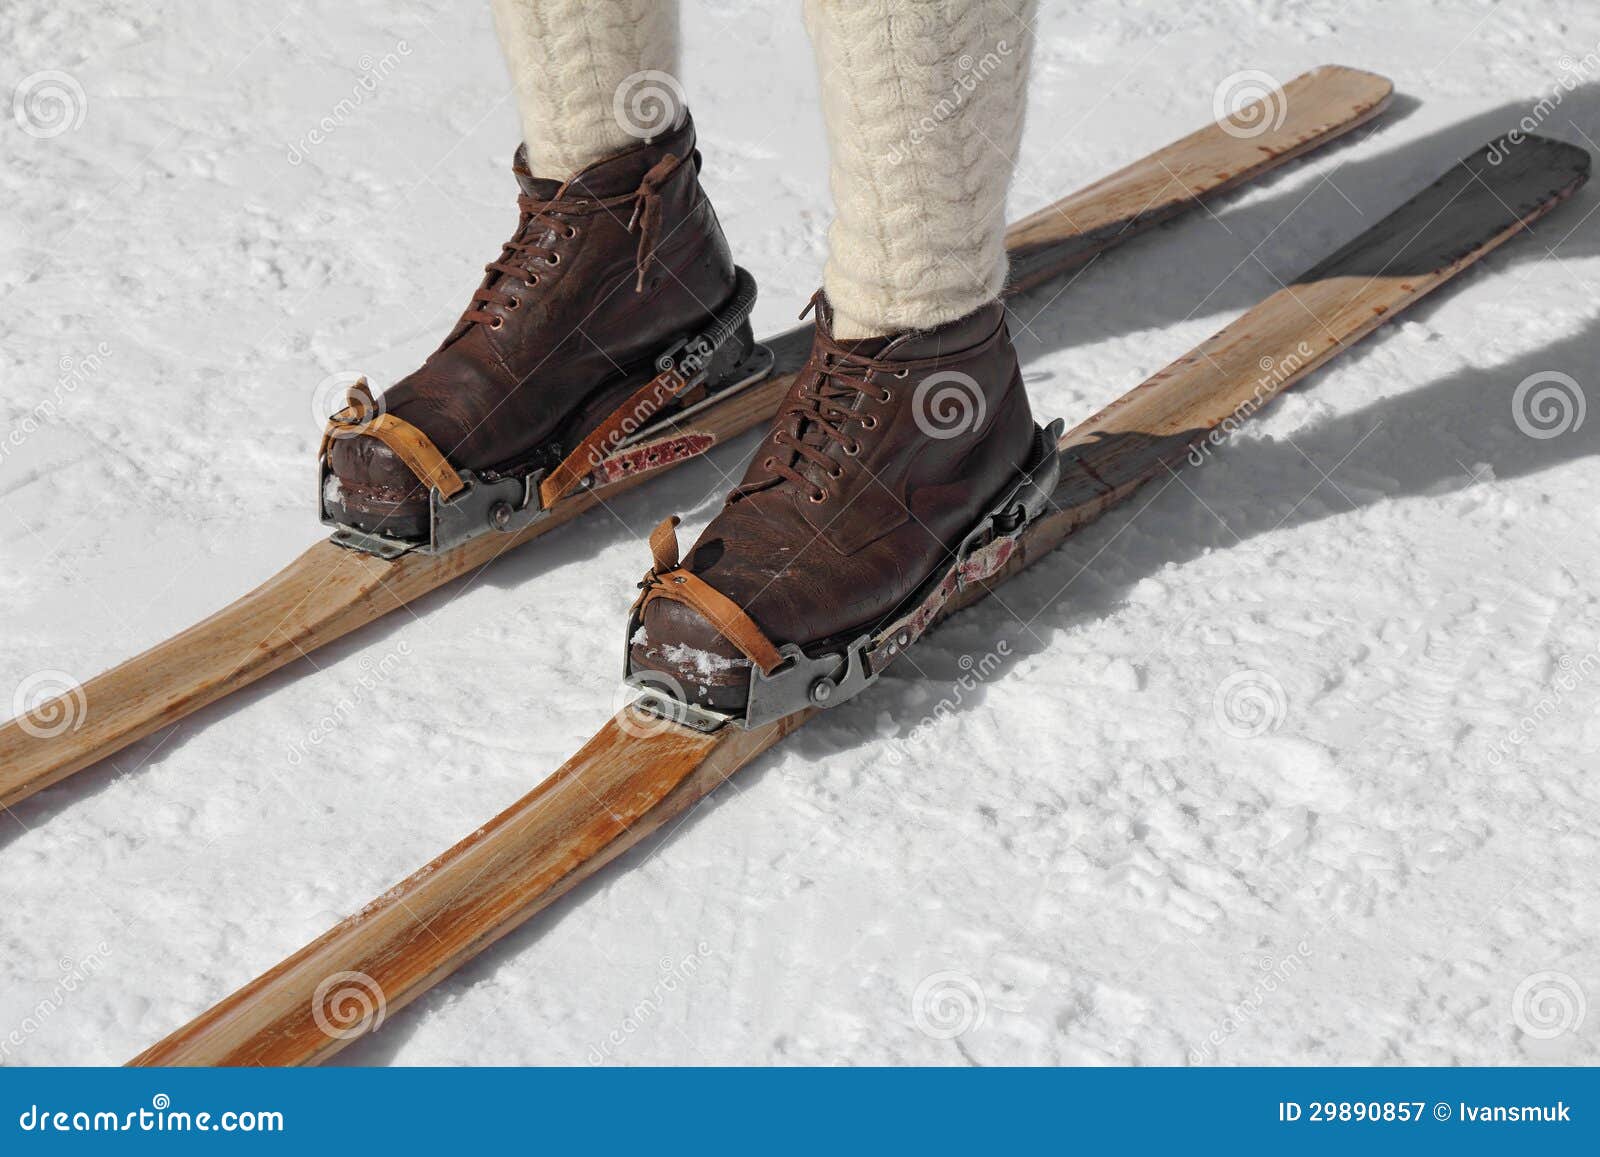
(329, 591)
(641, 771)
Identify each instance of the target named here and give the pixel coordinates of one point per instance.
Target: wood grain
(328, 592)
(325, 593)
(635, 775)
(625, 783)
(1316, 107)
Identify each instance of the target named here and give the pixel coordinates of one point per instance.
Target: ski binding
(804, 681)
(507, 503)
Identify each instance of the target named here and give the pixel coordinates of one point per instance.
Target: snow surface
(1074, 846)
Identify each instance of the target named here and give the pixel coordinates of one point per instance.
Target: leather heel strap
(631, 416)
(409, 444)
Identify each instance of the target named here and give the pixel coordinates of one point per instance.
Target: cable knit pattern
(568, 60)
(923, 101)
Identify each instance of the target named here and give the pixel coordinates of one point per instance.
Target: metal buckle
(1023, 502)
(505, 504)
(802, 681)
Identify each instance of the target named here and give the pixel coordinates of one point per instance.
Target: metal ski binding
(802, 681)
(643, 433)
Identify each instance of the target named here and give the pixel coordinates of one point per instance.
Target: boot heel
(738, 361)
(736, 358)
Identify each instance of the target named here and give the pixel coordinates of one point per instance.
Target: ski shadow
(1269, 232)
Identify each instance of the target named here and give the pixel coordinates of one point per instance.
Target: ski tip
(1373, 86)
(1375, 80)
(1575, 157)
(1517, 152)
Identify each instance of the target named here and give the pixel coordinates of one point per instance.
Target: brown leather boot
(605, 273)
(884, 455)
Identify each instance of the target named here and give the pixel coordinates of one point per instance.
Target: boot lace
(826, 398)
(537, 218)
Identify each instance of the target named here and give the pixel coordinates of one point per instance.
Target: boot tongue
(943, 340)
(866, 347)
(613, 176)
(539, 188)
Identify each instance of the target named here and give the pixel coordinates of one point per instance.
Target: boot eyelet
(836, 472)
(818, 498)
(886, 397)
(768, 462)
(906, 373)
(497, 323)
(530, 282)
(569, 232)
(852, 448)
(513, 301)
(870, 422)
(553, 259)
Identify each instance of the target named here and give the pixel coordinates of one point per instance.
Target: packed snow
(1291, 759)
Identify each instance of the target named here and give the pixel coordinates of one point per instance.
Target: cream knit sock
(592, 78)
(923, 101)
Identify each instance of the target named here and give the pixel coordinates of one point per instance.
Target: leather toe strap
(409, 444)
(667, 580)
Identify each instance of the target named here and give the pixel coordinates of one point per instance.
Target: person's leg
(578, 67)
(924, 105)
(617, 260)
(909, 422)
